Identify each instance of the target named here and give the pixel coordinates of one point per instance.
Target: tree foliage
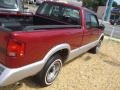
(115, 4)
(90, 3)
(102, 2)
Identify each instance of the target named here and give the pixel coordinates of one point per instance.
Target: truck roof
(65, 3)
(72, 4)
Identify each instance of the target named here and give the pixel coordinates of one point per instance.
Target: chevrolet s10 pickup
(38, 45)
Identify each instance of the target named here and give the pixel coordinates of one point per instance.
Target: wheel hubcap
(53, 71)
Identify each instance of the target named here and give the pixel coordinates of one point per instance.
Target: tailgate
(4, 34)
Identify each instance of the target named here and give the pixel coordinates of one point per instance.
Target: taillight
(15, 48)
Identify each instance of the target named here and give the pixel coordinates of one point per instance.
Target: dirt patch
(87, 72)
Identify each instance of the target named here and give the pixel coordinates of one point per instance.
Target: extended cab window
(91, 20)
(71, 15)
(60, 12)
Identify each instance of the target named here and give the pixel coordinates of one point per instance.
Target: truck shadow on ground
(30, 82)
(87, 58)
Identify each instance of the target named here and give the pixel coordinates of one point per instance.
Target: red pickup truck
(38, 45)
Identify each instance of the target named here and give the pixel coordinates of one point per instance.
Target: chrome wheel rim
(53, 71)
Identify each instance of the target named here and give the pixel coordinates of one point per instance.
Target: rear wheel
(50, 72)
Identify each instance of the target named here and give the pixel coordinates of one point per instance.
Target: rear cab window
(60, 12)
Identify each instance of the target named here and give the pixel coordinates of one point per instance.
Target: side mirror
(101, 26)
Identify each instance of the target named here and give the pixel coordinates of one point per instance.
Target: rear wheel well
(64, 54)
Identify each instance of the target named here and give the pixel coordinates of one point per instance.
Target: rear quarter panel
(39, 43)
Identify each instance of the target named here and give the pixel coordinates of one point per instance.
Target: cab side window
(91, 20)
(71, 16)
(94, 22)
(60, 12)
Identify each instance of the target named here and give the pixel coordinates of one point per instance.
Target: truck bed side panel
(39, 43)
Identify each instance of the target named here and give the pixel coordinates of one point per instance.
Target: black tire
(43, 78)
(96, 49)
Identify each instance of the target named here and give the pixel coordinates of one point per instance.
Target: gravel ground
(87, 72)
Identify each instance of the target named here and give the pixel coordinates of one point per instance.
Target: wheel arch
(62, 49)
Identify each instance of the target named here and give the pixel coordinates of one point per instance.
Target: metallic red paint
(38, 43)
